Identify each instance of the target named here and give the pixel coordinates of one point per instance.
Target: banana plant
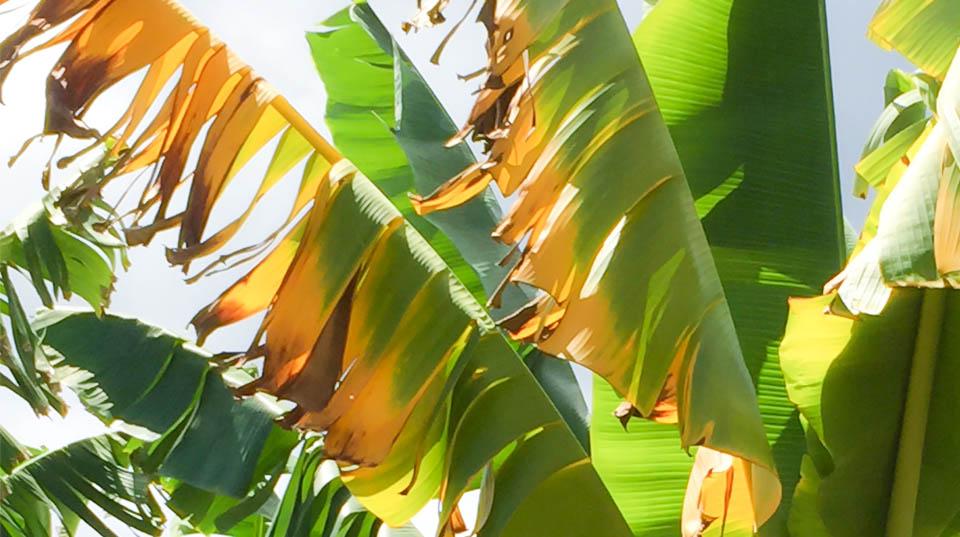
(215, 462)
(401, 115)
(403, 434)
(401, 416)
(606, 228)
(870, 363)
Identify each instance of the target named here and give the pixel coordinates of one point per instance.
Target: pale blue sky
(268, 34)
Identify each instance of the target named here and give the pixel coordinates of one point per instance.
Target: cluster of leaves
(66, 244)
(376, 332)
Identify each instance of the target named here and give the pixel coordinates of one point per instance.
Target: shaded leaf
(208, 440)
(66, 479)
(857, 404)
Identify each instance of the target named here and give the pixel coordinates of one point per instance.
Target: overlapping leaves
(910, 238)
(64, 480)
(871, 366)
(401, 381)
(410, 130)
(607, 229)
(65, 245)
(743, 88)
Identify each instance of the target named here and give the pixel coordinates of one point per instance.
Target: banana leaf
(416, 414)
(64, 480)
(606, 226)
(410, 131)
(870, 363)
(877, 393)
(911, 235)
(67, 244)
(927, 32)
(151, 379)
(361, 77)
(744, 89)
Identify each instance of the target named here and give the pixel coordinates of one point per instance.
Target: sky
(268, 34)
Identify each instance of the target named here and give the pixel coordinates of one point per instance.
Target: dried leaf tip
(426, 17)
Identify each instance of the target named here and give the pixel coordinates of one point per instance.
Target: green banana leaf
(909, 100)
(745, 90)
(911, 238)
(154, 380)
(881, 347)
(606, 226)
(361, 77)
(67, 242)
(858, 383)
(25, 359)
(377, 98)
(316, 503)
(21, 514)
(64, 480)
(927, 32)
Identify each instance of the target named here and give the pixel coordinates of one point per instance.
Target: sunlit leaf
(368, 127)
(358, 52)
(412, 415)
(927, 32)
(750, 114)
(606, 226)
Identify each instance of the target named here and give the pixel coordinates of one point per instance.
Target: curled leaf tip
(624, 412)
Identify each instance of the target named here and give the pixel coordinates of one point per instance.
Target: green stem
(906, 475)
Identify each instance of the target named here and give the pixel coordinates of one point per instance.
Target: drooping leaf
(743, 87)
(606, 226)
(409, 131)
(420, 372)
(432, 370)
(211, 84)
